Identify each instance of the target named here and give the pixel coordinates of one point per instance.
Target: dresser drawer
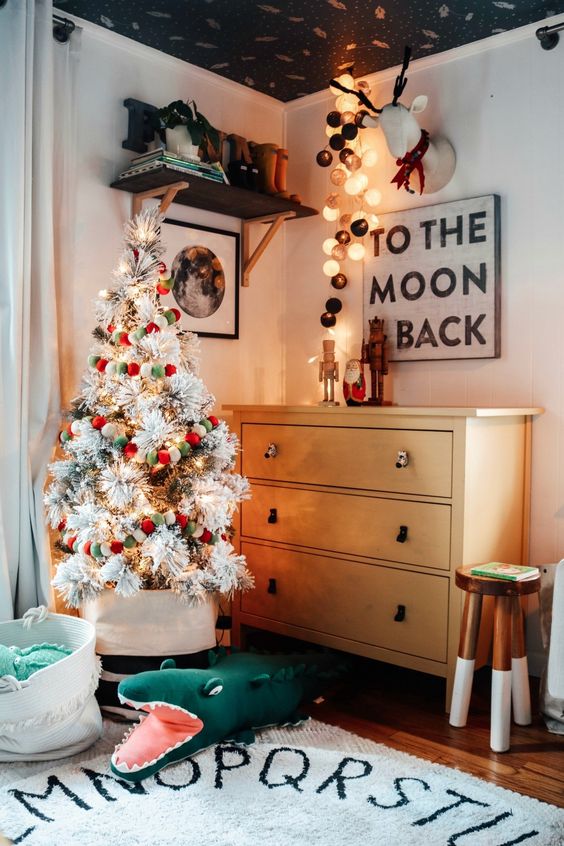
(350, 600)
(351, 524)
(339, 456)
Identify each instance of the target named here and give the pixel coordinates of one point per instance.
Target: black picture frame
(179, 236)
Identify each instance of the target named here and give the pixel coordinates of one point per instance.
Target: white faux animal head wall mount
(432, 161)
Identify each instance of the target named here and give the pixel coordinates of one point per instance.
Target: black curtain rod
(548, 35)
(63, 28)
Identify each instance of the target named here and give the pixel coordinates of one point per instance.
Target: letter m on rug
(52, 782)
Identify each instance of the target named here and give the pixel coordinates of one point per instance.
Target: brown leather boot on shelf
(281, 172)
(264, 156)
(240, 161)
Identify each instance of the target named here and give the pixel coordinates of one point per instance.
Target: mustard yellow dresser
(359, 518)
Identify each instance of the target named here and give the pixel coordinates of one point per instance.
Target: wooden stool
(510, 676)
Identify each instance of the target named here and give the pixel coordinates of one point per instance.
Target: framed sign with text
(433, 274)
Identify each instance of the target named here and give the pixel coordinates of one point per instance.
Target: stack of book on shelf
(164, 160)
(511, 572)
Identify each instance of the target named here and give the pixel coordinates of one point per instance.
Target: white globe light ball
(331, 130)
(373, 196)
(356, 251)
(346, 80)
(369, 158)
(330, 214)
(346, 103)
(353, 185)
(363, 180)
(373, 219)
(331, 267)
(328, 245)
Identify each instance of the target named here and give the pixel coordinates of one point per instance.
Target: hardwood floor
(405, 710)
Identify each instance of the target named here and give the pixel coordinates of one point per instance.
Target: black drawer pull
(400, 614)
(271, 586)
(273, 516)
(402, 536)
(271, 451)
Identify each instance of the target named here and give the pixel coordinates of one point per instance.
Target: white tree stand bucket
(151, 624)
(53, 713)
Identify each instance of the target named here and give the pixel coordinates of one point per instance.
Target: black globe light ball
(337, 142)
(345, 153)
(328, 320)
(343, 237)
(333, 305)
(349, 131)
(359, 227)
(359, 117)
(334, 119)
(324, 158)
(339, 281)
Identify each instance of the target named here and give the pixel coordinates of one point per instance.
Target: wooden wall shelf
(250, 206)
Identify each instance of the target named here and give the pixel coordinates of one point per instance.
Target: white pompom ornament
(169, 518)
(109, 431)
(139, 535)
(76, 426)
(146, 370)
(199, 430)
(161, 321)
(105, 549)
(198, 532)
(111, 368)
(175, 454)
(132, 339)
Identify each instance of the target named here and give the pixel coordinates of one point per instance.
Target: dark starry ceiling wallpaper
(288, 49)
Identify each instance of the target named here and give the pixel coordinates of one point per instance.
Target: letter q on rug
(315, 784)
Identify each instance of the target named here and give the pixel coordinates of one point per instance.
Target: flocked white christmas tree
(145, 496)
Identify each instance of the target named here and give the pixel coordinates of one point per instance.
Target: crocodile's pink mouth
(164, 729)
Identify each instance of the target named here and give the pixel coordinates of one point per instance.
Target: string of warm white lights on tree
(351, 207)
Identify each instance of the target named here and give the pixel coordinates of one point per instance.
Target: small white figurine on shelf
(328, 373)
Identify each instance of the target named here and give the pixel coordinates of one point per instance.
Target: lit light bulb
(353, 185)
(356, 251)
(363, 180)
(346, 103)
(330, 214)
(103, 294)
(338, 176)
(328, 245)
(345, 219)
(373, 219)
(346, 80)
(331, 267)
(339, 252)
(347, 117)
(373, 196)
(370, 157)
(353, 162)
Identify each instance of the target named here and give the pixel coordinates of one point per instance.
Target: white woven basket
(54, 713)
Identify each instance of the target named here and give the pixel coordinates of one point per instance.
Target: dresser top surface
(390, 410)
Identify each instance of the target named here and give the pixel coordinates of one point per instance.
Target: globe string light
(350, 205)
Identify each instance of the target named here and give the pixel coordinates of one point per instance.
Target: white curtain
(37, 128)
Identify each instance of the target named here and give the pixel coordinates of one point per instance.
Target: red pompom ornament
(182, 520)
(148, 526)
(205, 537)
(136, 253)
(163, 456)
(61, 525)
(86, 547)
(111, 328)
(133, 368)
(193, 439)
(170, 370)
(124, 339)
(162, 290)
(116, 547)
(176, 313)
(152, 327)
(130, 449)
(101, 365)
(70, 542)
(213, 420)
(98, 422)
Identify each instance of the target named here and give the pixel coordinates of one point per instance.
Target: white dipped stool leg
(500, 720)
(521, 693)
(464, 673)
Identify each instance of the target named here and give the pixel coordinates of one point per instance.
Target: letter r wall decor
(433, 274)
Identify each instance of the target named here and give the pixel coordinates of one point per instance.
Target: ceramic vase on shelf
(137, 633)
(179, 142)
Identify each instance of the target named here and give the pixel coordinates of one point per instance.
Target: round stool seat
(487, 586)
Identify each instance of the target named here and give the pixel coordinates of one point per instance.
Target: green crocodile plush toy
(22, 663)
(189, 710)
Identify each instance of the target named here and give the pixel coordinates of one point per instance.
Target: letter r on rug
(340, 779)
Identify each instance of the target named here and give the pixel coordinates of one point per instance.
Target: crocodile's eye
(212, 687)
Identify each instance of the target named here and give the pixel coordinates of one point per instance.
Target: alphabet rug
(314, 784)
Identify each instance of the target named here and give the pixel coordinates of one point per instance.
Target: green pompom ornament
(64, 437)
(157, 371)
(214, 539)
(93, 360)
(184, 448)
(207, 424)
(116, 336)
(152, 457)
(121, 367)
(95, 550)
(140, 333)
(190, 528)
(170, 316)
(121, 441)
(158, 519)
(130, 542)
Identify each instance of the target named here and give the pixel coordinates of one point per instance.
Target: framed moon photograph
(204, 264)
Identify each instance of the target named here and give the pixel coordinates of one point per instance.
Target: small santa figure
(354, 383)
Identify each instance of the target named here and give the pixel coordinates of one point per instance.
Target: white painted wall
(113, 68)
(503, 110)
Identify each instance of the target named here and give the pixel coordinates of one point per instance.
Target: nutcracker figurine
(374, 353)
(328, 373)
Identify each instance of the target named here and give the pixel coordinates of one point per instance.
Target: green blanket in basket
(22, 663)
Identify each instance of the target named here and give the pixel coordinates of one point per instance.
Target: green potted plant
(186, 130)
